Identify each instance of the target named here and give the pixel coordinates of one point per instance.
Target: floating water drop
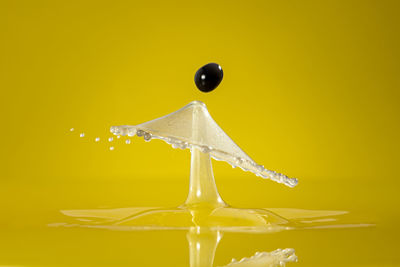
(82, 135)
(111, 148)
(72, 129)
(110, 139)
(118, 136)
(208, 77)
(97, 139)
(128, 141)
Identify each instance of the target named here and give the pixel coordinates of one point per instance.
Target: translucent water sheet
(193, 127)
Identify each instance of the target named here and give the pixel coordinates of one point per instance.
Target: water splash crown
(193, 127)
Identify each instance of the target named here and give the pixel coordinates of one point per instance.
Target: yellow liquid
(364, 236)
(311, 89)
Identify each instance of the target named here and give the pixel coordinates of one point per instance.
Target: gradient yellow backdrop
(310, 89)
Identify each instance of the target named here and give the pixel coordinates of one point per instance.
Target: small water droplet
(118, 136)
(139, 133)
(205, 149)
(97, 139)
(128, 141)
(72, 129)
(238, 160)
(82, 135)
(184, 145)
(131, 132)
(115, 130)
(111, 148)
(110, 139)
(147, 137)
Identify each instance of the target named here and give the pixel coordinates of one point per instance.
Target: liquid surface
(39, 232)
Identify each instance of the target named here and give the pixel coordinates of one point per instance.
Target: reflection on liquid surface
(203, 240)
(203, 243)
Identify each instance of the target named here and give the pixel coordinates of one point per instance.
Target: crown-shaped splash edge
(193, 127)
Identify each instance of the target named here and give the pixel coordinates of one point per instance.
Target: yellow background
(310, 89)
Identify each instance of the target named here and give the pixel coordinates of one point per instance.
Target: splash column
(202, 189)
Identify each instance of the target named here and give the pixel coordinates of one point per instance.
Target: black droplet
(208, 77)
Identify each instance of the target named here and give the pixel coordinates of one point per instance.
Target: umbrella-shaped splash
(193, 127)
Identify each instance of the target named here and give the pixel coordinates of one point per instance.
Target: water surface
(362, 232)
